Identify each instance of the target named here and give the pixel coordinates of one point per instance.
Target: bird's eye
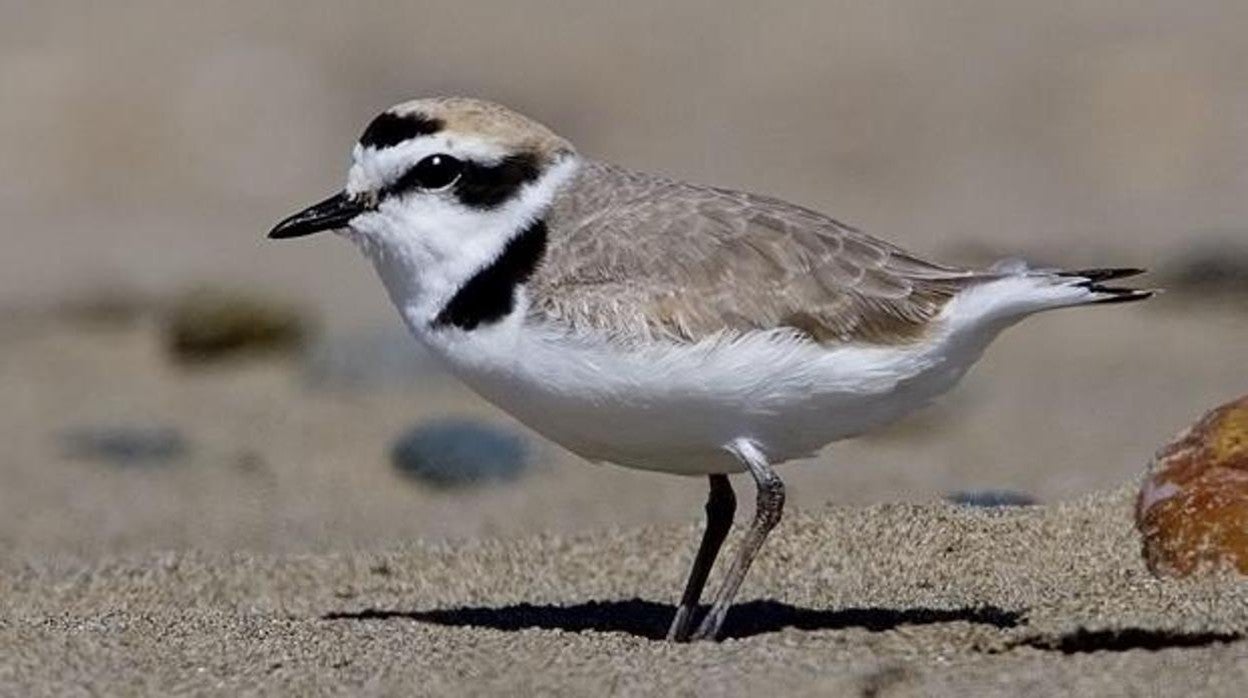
(436, 172)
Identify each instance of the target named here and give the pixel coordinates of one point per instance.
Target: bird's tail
(1012, 291)
(1093, 281)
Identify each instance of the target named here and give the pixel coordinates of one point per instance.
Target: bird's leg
(721, 505)
(766, 516)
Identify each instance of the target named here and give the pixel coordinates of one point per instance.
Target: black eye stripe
(479, 186)
(392, 129)
(487, 187)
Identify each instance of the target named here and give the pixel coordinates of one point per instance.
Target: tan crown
(489, 121)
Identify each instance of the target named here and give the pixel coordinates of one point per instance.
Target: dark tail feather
(1092, 279)
(1099, 275)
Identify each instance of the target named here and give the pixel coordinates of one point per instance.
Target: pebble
(1192, 510)
(450, 453)
(125, 445)
(1216, 267)
(991, 498)
(209, 324)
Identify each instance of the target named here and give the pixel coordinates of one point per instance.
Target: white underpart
(662, 405)
(678, 408)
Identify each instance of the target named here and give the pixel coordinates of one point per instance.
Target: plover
(657, 324)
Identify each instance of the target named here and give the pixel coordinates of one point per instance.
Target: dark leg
(766, 516)
(721, 504)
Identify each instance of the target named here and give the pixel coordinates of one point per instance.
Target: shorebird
(658, 324)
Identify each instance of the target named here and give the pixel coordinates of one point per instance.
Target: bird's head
(438, 187)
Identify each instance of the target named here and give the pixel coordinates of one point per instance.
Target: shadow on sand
(650, 620)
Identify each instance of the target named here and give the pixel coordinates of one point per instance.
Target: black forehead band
(391, 129)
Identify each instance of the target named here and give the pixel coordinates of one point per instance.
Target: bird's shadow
(649, 619)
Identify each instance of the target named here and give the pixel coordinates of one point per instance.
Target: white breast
(673, 407)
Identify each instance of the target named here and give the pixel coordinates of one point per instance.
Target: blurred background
(170, 379)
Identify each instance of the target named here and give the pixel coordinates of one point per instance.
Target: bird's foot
(711, 624)
(679, 630)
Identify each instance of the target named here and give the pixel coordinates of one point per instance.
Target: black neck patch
(390, 129)
(485, 187)
(490, 295)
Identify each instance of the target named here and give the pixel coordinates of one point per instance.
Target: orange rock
(1193, 508)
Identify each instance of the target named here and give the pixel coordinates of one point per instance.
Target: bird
(657, 324)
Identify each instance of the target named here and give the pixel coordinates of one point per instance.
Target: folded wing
(636, 255)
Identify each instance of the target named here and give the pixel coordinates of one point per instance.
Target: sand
(894, 599)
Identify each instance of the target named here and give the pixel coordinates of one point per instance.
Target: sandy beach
(894, 599)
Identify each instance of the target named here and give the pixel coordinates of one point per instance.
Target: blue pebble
(991, 498)
(459, 453)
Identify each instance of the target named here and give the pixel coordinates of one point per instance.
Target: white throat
(426, 248)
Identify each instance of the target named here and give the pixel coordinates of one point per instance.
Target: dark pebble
(125, 445)
(1216, 267)
(991, 498)
(210, 324)
(460, 453)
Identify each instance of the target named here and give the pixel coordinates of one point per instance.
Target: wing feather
(637, 255)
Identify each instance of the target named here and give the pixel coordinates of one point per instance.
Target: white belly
(674, 407)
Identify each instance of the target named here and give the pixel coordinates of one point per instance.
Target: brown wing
(638, 255)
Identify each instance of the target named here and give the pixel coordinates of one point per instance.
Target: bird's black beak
(334, 212)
